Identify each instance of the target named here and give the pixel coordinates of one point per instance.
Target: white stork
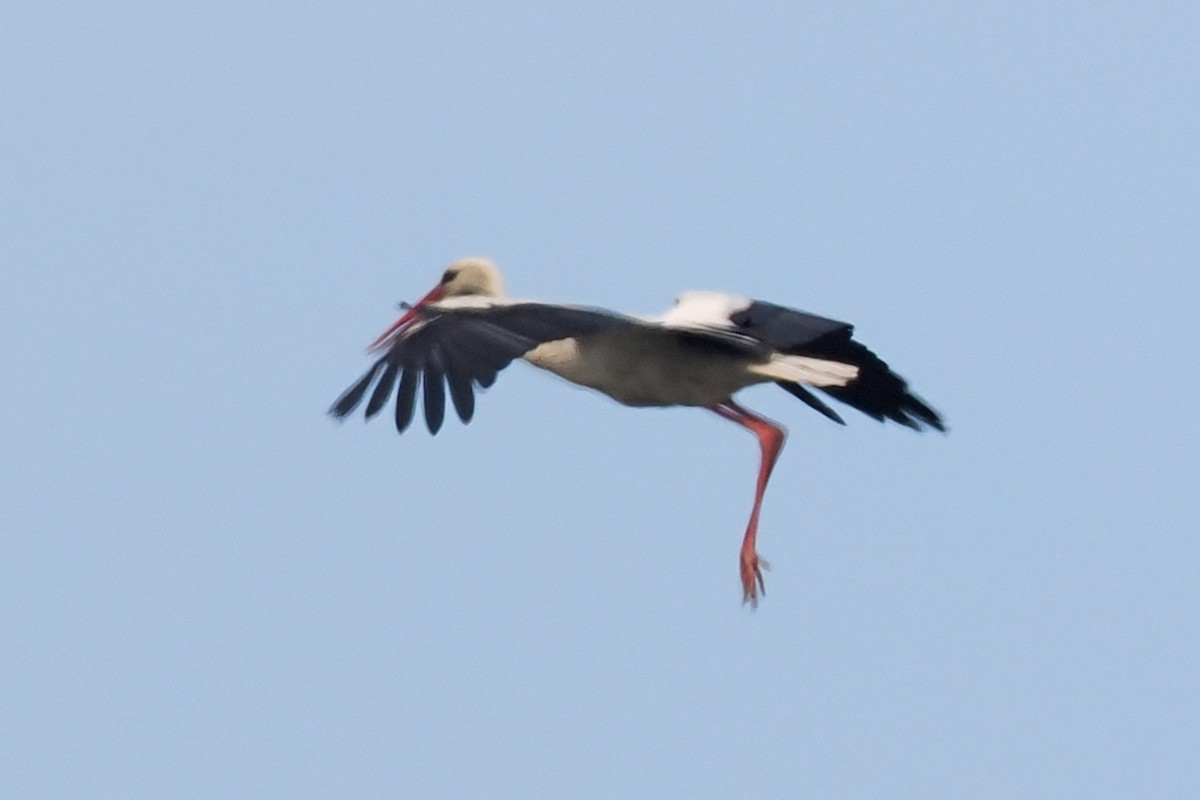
(700, 353)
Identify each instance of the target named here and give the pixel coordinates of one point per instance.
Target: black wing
(877, 391)
(461, 348)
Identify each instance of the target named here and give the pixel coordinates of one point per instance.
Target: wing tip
(351, 398)
(811, 400)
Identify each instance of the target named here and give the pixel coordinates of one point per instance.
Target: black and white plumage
(700, 353)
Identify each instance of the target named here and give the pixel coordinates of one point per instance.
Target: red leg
(770, 439)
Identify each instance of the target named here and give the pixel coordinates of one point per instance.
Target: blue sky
(208, 589)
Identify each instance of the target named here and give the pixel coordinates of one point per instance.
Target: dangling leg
(770, 439)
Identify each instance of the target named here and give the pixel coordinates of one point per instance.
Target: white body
(643, 364)
(640, 367)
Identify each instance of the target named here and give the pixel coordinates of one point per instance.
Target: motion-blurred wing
(461, 345)
(877, 391)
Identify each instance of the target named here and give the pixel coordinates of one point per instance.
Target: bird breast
(646, 368)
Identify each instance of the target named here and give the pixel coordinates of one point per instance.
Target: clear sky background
(209, 589)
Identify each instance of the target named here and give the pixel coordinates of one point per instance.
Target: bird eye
(449, 275)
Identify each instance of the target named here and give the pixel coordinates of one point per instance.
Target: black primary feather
(435, 398)
(877, 391)
(461, 348)
(350, 399)
(458, 378)
(811, 400)
(406, 397)
(383, 389)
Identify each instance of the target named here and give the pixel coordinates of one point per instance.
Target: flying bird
(699, 353)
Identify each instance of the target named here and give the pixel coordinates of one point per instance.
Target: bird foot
(752, 578)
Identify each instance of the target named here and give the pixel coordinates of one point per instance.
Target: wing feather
(383, 389)
(458, 378)
(462, 343)
(877, 391)
(406, 397)
(350, 398)
(811, 400)
(435, 396)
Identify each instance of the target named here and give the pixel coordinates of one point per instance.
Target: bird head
(471, 276)
(466, 277)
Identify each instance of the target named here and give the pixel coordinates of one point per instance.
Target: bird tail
(806, 369)
(875, 390)
(850, 373)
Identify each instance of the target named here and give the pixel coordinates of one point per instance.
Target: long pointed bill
(384, 339)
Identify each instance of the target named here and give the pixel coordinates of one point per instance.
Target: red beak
(384, 339)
